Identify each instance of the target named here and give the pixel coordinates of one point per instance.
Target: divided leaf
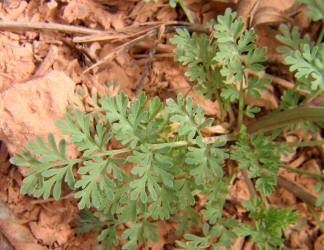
(189, 117)
(315, 9)
(207, 161)
(304, 57)
(47, 172)
(261, 158)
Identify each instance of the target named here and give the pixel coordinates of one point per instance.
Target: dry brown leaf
(246, 9)
(269, 15)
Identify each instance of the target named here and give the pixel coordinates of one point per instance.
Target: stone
(29, 109)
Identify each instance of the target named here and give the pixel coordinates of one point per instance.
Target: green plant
(217, 65)
(158, 172)
(304, 57)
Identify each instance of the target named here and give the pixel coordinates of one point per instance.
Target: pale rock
(29, 109)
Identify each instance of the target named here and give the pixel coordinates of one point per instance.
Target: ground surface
(34, 92)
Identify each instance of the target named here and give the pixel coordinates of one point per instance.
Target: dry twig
(151, 32)
(46, 26)
(47, 62)
(149, 60)
(299, 192)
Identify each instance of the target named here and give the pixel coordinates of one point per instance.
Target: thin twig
(302, 143)
(246, 9)
(122, 35)
(301, 171)
(316, 217)
(121, 48)
(47, 26)
(249, 183)
(47, 62)
(299, 192)
(125, 33)
(147, 67)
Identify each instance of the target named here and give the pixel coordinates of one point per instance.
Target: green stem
(186, 11)
(316, 217)
(110, 152)
(264, 199)
(221, 106)
(300, 171)
(312, 97)
(211, 75)
(320, 37)
(208, 140)
(302, 143)
(241, 106)
(281, 119)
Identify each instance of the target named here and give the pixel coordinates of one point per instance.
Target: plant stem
(241, 106)
(208, 140)
(299, 192)
(281, 119)
(316, 217)
(110, 152)
(320, 37)
(264, 199)
(211, 75)
(300, 171)
(302, 143)
(221, 106)
(186, 11)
